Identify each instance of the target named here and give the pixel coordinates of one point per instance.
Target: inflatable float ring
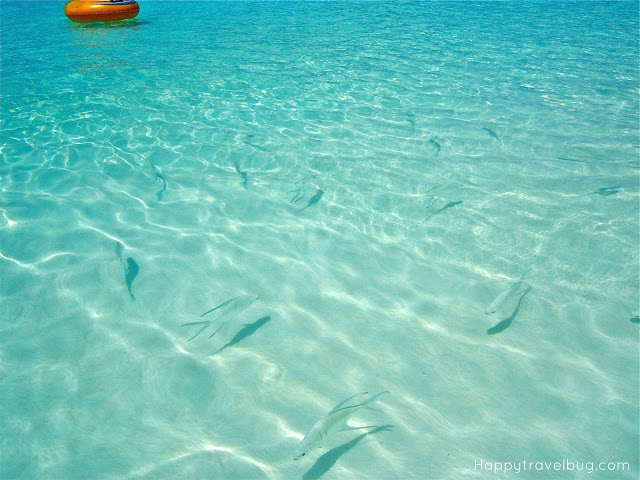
(86, 11)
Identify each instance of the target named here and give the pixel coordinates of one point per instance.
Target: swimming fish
(228, 310)
(565, 159)
(299, 194)
(433, 197)
(313, 200)
(119, 254)
(493, 306)
(506, 323)
(436, 145)
(242, 174)
(131, 274)
(257, 147)
(492, 133)
(448, 205)
(430, 201)
(164, 186)
(158, 176)
(410, 119)
(334, 421)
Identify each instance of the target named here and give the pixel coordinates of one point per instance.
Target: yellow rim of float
(86, 11)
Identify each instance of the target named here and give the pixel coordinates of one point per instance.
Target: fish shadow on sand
(328, 460)
(446, 207)
(634, 319)
(315, 199)
(606, 191)
(244, 332)
(506, 323)
(131, 273)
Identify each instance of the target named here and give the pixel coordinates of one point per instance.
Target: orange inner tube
(85, 11)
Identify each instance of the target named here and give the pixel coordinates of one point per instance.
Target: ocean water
(378, 174)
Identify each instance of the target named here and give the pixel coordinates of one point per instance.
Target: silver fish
(436, 145)
(334, 421)
(164, 185)
(492, 133)
(506, 323)
(158, 176)
(228, 310)
(300, 184)
(120, 255)
(432, 198)
(242, 174)
(493, 306)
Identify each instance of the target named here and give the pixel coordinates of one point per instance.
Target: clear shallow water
(455, 143)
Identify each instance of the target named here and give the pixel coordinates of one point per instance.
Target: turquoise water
(378, 175)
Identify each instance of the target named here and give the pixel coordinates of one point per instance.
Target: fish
(313, 200)
(606, 191)
(299, 194)
(228, 310)
(565, 159)
(430, 201)
(447, 206)
(334, 421)
(304, 180)
(257, 147)
(242, 174)
(506, 323)
(492, 134)
(119, 254)
(436, 145)
(158, 176)
(432, 197)
(493, 306)
(411, 120)
(164, 186)
(247, 139)
(131, 274)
